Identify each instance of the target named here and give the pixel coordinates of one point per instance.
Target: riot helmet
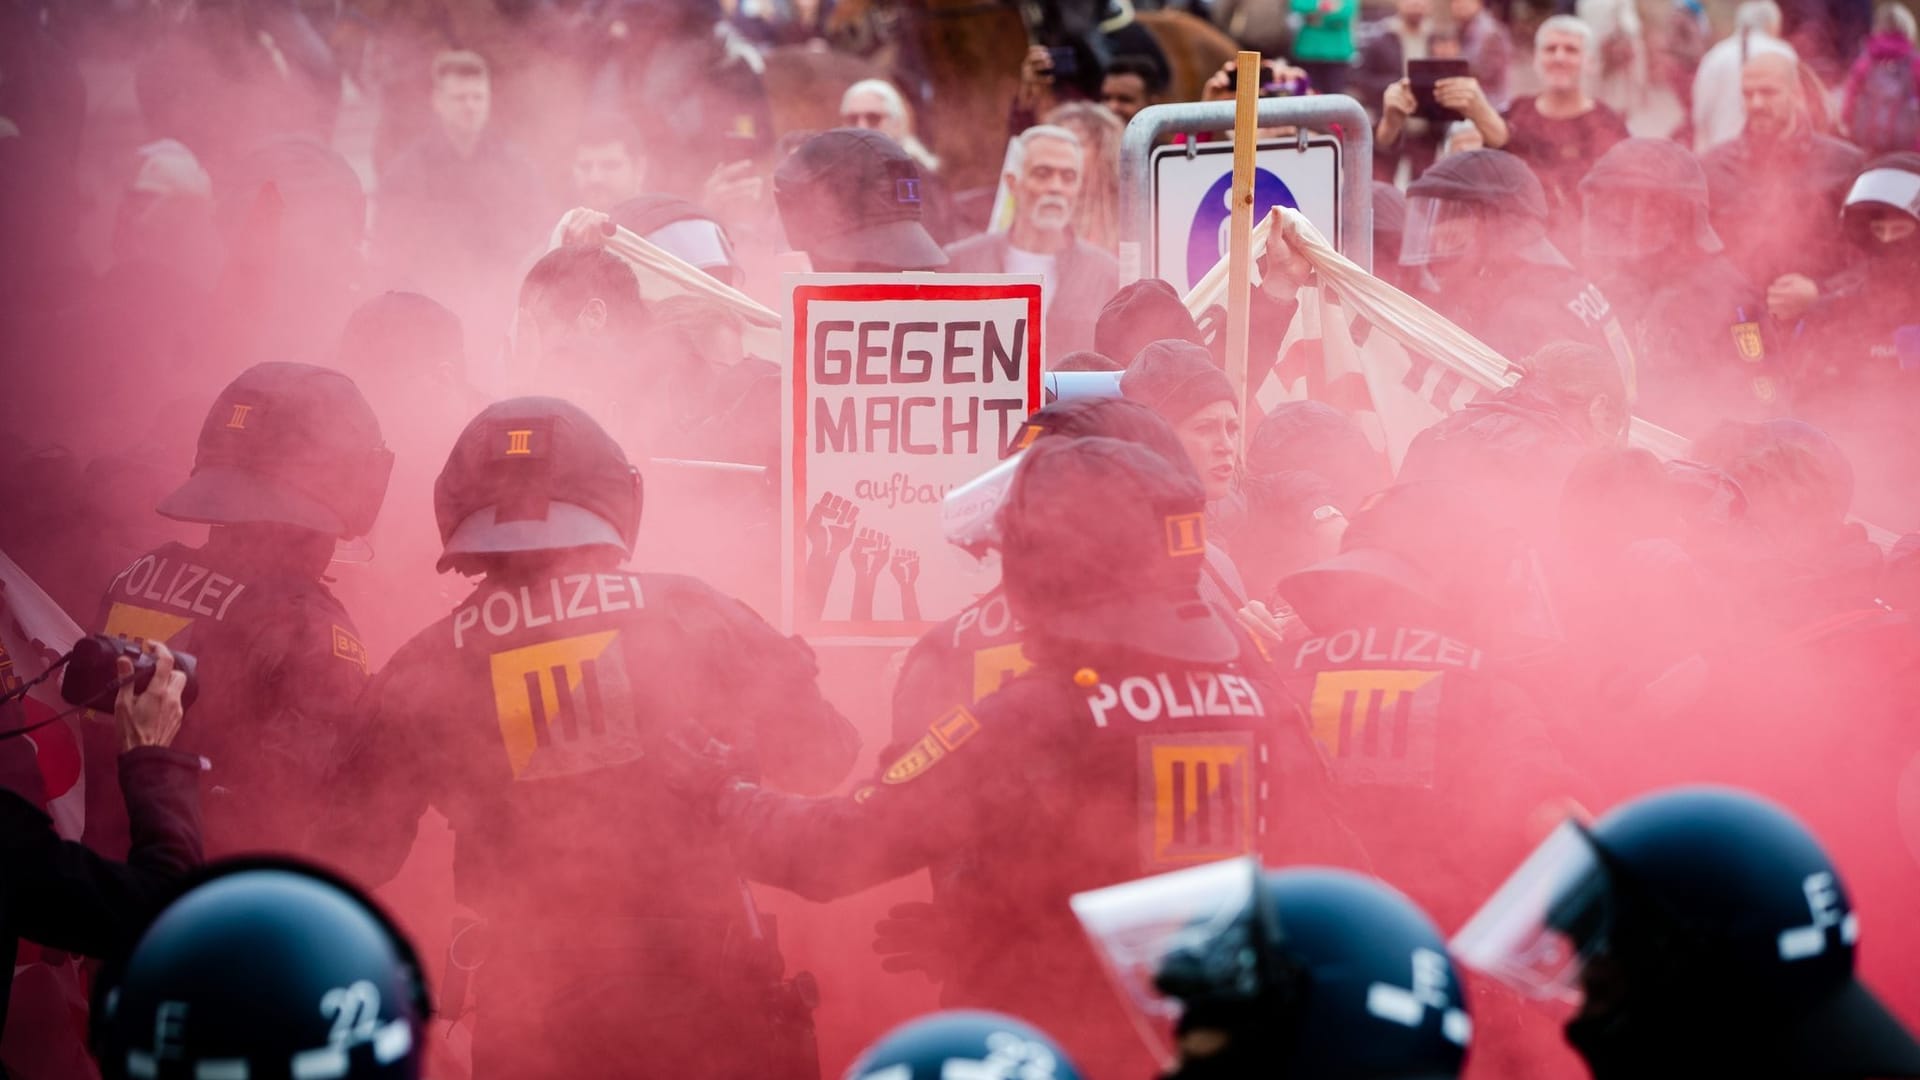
(1474, 208)
(534, 474)
(1884, 197)
(265, 967)
(1699, 930)
(1230, 970)
(964, 1042)
(1103, 542)
(287, 444)
(969, 514)
(1643, 197)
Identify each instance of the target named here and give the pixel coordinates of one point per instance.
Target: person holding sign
(1144, 737)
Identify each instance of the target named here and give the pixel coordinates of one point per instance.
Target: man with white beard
(1077, 277)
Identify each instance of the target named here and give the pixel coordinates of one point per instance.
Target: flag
(664, 274)
(34, 633)
(1365, 347)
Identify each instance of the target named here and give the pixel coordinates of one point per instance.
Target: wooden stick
(1246, 134)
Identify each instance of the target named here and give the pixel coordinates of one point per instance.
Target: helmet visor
(970, 513)
(1543, 926)
(1442, 230)
(1168, 940)
(1876, 192)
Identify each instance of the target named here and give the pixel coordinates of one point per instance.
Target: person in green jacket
(1323, 41)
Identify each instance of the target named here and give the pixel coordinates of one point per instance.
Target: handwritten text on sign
(899, 390)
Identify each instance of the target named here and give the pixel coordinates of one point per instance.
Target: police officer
(963, 1042)
(290, 461)
(972, 654)
(266, 968)
(1861, 372)
(616, 926)
(1699, 932)
(1698, 327)
(1476, 224)
(1301, 972)
(1142, 738)
(1428, 740)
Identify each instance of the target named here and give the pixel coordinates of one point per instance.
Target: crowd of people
(446, 531)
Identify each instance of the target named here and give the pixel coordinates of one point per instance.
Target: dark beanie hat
(1176, 379)
(1141, 313)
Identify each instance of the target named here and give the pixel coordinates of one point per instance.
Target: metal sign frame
(1335, 114)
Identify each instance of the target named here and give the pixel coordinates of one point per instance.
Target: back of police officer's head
(265, 968)
(1699, 931)
(1585, 386)
(291, 452)
(533, 482)
(1301, 972)
(1103, 542)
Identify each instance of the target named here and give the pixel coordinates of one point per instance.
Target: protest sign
(898, 389)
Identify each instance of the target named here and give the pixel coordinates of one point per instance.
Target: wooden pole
(1240, 229)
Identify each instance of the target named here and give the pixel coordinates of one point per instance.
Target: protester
(1880, 103)
(460, 198)
(1719, 109)
(1075, 274)
(609, 163)
(1096, 215)
(1385, 45)
(1561, 131)
(1776, 191)
(1487, 47)
(1131, 83)
(1323, 44)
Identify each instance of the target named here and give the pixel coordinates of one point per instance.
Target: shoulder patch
(943, 737)
(348, 648)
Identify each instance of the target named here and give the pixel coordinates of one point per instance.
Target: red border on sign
(872, 291)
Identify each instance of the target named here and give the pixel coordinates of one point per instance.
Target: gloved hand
(697, 768)
(914, 937)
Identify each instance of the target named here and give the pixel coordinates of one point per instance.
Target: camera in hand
(91, 679)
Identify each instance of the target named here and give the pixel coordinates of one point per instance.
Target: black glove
(697, 768)
(914, 937)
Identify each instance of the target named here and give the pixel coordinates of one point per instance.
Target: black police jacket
(529, 715)
(1095, 766)
(280, 666)
(60, 894)
(1438, 762)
